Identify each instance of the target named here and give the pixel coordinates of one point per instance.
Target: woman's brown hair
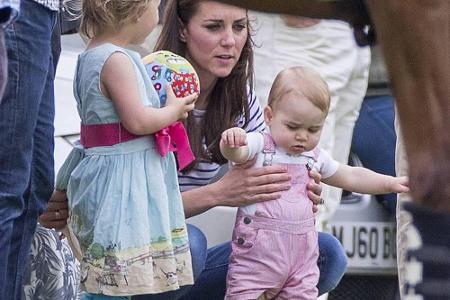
(229, 97)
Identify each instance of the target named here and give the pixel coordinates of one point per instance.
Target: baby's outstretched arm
(120, 84)
(233, 145)
(362, 180)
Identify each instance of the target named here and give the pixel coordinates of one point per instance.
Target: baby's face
(295, 123)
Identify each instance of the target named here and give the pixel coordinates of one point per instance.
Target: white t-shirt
(325, 164)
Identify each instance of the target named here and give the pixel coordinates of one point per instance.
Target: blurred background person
(26, 131)
(9, 9)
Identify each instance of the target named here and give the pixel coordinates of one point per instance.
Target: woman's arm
(243, 185)
(240, 186)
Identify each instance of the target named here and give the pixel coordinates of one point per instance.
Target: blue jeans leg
(211, 284)
(3, 64)
(26, 134)
(332, 262)
(374, 140)
(197, 245)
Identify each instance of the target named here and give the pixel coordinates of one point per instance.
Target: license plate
(370, 246)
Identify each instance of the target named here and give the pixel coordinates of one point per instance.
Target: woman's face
(214, 37)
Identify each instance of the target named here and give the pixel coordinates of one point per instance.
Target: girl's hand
(399, 184)
(57, 211)
(182, 106)
(234, 137)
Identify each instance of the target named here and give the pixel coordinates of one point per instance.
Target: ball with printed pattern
(164, 67)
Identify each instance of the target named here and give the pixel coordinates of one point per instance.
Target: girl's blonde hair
(100, 15)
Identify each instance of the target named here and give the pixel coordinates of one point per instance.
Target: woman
(216, 39)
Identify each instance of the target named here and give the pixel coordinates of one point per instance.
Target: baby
(275, 247)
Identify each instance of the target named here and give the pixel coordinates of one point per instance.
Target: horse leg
(414, 37)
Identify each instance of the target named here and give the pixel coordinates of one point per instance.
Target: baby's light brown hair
(304, 82)
(98, 16)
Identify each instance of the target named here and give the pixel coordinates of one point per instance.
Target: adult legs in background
(211, 284)
(26, 132)
(3, 63)
(374, 140)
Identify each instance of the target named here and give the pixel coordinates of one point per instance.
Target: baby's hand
(234, 137)
(399, 184)
(181, 105)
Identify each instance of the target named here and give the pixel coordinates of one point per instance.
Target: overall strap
(269, 149)
(313, 160)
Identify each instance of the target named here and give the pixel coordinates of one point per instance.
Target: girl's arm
(119, 83)
(362, 180)
(233, 145)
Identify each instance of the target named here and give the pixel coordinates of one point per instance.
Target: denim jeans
(26, 135)
(374, 140)
(3, 63)
(211, 284)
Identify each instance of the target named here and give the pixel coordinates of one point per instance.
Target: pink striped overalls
(275, 251)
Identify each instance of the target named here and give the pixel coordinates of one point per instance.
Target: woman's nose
(228, 39)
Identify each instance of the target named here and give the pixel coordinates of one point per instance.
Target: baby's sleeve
(255, 144)
(71, 162)
(327, 165)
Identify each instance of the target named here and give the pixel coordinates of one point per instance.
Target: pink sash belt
(171, 138)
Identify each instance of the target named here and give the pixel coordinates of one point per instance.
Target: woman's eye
(239, 27)
(213, 27)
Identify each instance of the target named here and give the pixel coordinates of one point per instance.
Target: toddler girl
(274, 246)
(124, 200)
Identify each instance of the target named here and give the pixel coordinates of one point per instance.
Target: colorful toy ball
(165, 67)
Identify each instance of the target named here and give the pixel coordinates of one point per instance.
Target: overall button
(247, 220)
(240, 241)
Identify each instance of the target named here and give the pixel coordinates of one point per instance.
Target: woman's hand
(243, 185)
(57, 211)
(314, 189)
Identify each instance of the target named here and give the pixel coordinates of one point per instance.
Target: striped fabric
(206, 171)
(51, 4)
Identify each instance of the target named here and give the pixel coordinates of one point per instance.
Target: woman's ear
(182, 31)
(268, 114)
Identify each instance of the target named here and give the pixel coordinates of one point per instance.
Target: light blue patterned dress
(125, 204)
